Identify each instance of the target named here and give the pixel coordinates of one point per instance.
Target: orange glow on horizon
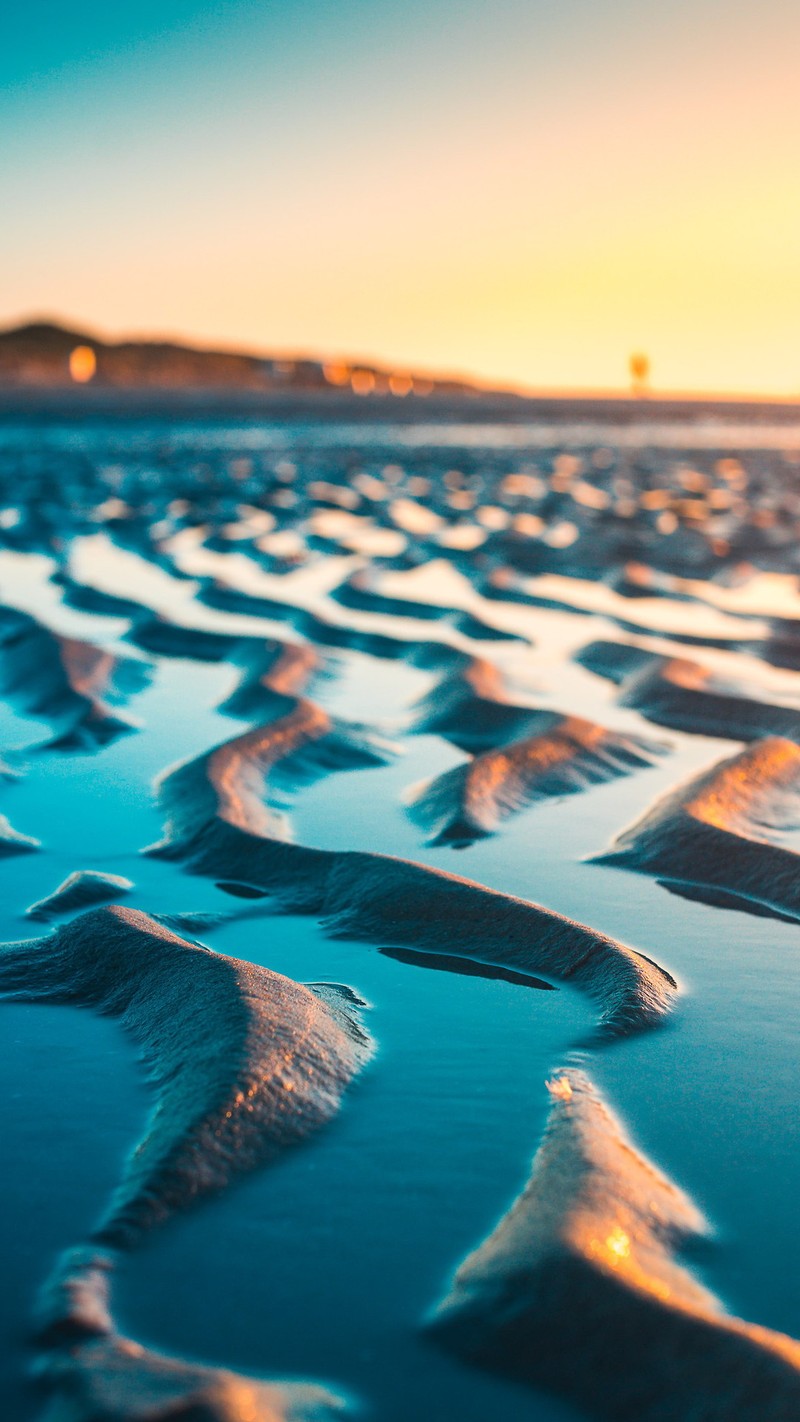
(336, 373)
(362, 382)
(82, 364)
(527, 218)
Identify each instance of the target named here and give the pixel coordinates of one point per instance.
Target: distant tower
(639, 367)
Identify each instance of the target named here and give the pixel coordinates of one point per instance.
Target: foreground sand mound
(395, 902)
(713, 837)
(243, 1062)
(578, 1290)
(682, 694)
(566, 756)
(116, 1380)
(65, 682)
(218, 826)
(95, 1375)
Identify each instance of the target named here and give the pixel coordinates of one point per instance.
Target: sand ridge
(584, 1266)
(566, 756)
(715, 836)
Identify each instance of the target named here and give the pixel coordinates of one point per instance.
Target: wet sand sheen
(269, 1066)
(226, 808)
(714, 838)
(584, 1266)
(568, 755)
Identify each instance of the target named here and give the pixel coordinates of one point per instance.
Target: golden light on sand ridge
(618, 1244)
(560, 1087)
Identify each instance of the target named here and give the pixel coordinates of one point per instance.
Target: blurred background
(526, 193)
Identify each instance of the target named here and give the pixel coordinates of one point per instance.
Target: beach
(433, 787)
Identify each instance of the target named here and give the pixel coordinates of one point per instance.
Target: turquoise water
(324, 1265)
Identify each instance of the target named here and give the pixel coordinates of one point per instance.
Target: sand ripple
(682, 694)
(247, 782)
(566, 756)
(714, 836)
(223, 833)
(578, 1289)
(65, 681)
(243, 1062)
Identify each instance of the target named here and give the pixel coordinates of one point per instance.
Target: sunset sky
(523, 190)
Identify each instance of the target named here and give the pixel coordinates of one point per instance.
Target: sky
(525, 191)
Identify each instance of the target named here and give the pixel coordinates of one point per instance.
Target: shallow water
(324, 1265)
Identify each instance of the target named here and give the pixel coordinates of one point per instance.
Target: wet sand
(245, 669)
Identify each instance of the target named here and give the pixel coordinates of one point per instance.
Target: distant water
(711, 432)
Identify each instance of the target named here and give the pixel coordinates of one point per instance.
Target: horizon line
(482, 384)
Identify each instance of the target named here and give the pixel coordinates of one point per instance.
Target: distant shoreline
(93, 401)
